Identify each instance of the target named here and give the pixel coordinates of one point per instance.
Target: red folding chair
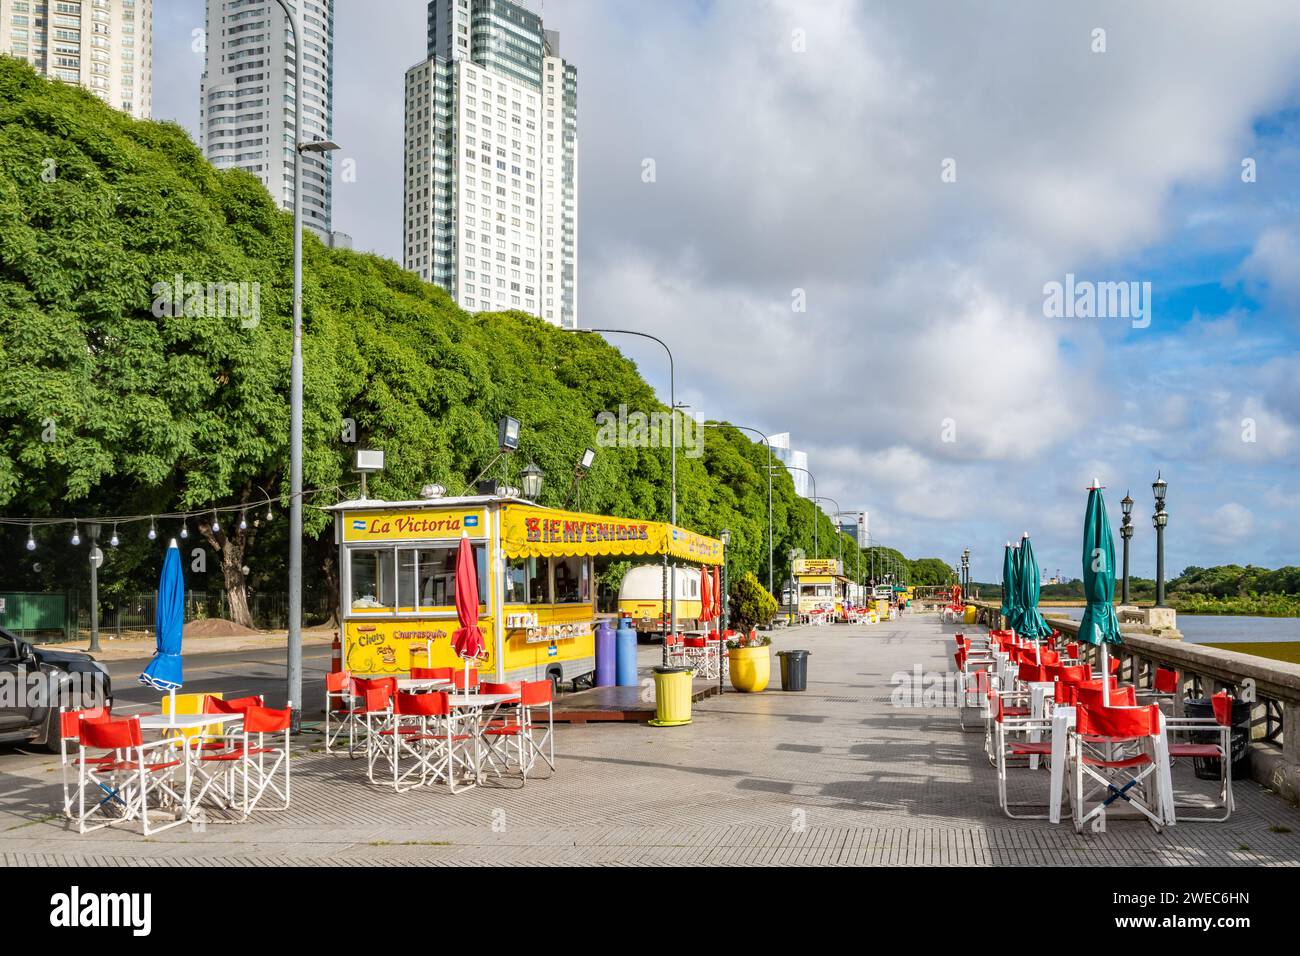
(341, 690)
(127, 776)
(262, 745)
(1115, 750)
(70, 731)
(1211, 740)
(1011, 740)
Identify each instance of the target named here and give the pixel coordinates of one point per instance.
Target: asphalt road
(231, 673)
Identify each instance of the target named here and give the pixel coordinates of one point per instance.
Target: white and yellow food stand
(537, 589)
(821, 586)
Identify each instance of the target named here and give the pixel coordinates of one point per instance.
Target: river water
(1226, 630)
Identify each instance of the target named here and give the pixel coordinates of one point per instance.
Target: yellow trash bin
(969, 616)
(672, 697)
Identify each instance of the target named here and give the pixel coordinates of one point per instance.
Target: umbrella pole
(1105, 676)
(172, 716)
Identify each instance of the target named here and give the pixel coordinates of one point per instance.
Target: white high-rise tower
(104, 45)
(246, 98)
(491, 161)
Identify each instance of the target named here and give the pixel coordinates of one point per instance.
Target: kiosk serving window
(525, 581)
(373, 579)
(572, 580)
(409, 578)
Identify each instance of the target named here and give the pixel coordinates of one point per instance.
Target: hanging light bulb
(243, 522)
(153, 531)
(76, 535)
(185, 529)
(216, 525)
(31, 541)
(113, 541)
(268, 511)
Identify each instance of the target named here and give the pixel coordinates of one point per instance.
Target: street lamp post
(965, 574)
(672, 403)
(294, 676)
(726, 602)
(839, 537)
(1160, 519)
(771, 559)
(1126, 532)
(816, 545)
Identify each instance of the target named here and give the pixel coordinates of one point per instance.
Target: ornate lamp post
(725, 606)
(1159, 520)
(965, 575)
(1126, 532)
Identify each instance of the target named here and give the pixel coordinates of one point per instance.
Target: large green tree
(120, 397)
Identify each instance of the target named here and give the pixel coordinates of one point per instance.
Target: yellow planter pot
(750, 667)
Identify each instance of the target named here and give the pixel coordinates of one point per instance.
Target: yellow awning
(528, 531)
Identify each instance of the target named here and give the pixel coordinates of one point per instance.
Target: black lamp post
(530, 480)
(1126, 532)
(1160, 519)
(726, 603)
(965, 575)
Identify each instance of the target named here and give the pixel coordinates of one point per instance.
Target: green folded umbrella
(1008, 581)
(1099, 625)
(1029, 623)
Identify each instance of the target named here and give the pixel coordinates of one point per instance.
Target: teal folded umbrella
(1029, 623)
(1008, 581)
(1099, 624)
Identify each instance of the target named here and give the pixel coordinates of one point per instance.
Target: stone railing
(1273, 687)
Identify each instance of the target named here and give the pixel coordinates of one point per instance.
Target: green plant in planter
(751, 606)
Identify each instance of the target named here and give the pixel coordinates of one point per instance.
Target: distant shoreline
(1226, 612)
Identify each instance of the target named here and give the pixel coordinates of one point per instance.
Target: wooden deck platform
(618, 703)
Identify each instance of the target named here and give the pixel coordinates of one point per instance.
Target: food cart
(821, 587)
(537, 589)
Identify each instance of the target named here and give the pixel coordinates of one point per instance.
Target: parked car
(33, 684)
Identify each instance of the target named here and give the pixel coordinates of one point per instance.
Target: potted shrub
(749, 654)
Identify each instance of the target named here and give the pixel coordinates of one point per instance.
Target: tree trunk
(230, 543)
(330, 566)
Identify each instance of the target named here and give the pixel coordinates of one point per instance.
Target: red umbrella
(468, 639)
(717, 595)
(706, 597)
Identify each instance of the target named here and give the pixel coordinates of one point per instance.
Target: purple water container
(606, 653)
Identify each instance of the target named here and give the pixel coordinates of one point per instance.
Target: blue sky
(799, 146)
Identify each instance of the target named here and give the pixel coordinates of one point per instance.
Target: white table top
(419, 683)
(186, 721)
(479, 700)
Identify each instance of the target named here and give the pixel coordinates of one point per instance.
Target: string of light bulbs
(184, 517)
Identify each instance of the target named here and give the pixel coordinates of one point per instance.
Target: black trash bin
(794, 670)
(1207, 768)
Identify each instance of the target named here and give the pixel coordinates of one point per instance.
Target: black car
(35, 683)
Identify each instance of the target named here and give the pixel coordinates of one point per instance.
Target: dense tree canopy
(111, 405)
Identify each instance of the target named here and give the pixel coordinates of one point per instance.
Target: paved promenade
(836, 775)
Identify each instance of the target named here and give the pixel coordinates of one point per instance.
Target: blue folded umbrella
(164, 671)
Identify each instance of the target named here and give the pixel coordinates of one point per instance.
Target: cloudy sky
(856, 208)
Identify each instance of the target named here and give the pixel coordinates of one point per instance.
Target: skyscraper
(246, 98)
(104, 45)
(491, 161)
(792, 459)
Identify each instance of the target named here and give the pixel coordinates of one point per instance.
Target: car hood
(63, 657)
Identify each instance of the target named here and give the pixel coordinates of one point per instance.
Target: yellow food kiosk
(821, 586)
(537, 590)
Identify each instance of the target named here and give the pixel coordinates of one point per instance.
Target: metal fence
(32, 614)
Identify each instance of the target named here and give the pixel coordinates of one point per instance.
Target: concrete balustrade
(1273, 687)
